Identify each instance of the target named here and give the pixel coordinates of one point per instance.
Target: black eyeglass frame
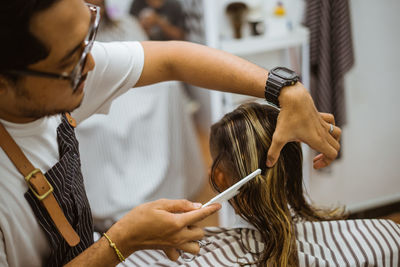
(76, 74)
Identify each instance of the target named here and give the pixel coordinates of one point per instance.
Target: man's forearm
(201, 66)
(162, 224)
(99, 254)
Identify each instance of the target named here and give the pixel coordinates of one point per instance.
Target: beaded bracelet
(112, 244)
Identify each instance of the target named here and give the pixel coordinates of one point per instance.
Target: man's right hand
(162, 224)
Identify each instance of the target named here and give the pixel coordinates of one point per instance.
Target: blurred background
(347, 53)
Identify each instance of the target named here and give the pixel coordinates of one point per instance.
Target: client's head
(239, 143)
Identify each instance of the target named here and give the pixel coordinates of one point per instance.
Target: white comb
(233, 190)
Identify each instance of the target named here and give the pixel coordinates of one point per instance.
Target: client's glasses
(75, 76)
(187, 257)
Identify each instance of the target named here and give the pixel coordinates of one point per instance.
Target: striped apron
(69, 191)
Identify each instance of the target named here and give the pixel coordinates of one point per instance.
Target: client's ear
(221, 179)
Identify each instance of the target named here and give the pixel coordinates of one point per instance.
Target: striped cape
(334, 243)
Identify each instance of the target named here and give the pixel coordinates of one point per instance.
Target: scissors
(189, 257)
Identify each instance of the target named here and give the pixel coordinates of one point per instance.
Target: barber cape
(328, 243)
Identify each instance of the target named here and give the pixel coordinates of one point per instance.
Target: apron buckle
(38, 195)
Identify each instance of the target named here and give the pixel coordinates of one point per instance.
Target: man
(161, 19)
(46, 68)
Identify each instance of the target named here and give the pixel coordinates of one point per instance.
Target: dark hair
(273, 200)
(19, 48)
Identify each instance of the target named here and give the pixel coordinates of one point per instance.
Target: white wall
(368, 173)
(120, 6)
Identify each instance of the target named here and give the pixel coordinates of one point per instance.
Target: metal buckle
(43, 196)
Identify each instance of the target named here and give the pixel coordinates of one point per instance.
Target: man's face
(95, 2)
(62, 28)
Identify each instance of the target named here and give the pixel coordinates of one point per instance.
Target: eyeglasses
(75, 76)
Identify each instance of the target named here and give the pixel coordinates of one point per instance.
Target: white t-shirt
(22, 241)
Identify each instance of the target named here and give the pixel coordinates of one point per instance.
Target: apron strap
(40, 187)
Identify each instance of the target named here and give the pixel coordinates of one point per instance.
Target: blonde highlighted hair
(274, 200)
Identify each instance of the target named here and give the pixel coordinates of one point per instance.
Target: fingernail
(197, 205)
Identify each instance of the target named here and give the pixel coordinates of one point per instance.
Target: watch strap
(274, 86)
(272, 91)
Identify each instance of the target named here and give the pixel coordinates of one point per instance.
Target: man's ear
(221, 179)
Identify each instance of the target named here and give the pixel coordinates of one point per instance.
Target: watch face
(284, 73)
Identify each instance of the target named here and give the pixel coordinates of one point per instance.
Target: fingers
(318, 157)
(336, 132)
(171, 253)
(333, 142)
(329, 118)
(331, 152)
(321, 161)
(191, 247)
(329, 144)
(331, 147)
(184, 240)
(194, 216)
(187, 243)
(328, 149)
(275, 149)
(326, 142)
(177, 206)
(192, 232)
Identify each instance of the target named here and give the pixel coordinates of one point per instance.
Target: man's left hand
(299, 120)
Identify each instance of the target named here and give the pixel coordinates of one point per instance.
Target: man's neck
(15, 119)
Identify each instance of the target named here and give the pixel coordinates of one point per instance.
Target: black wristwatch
(278, 78)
